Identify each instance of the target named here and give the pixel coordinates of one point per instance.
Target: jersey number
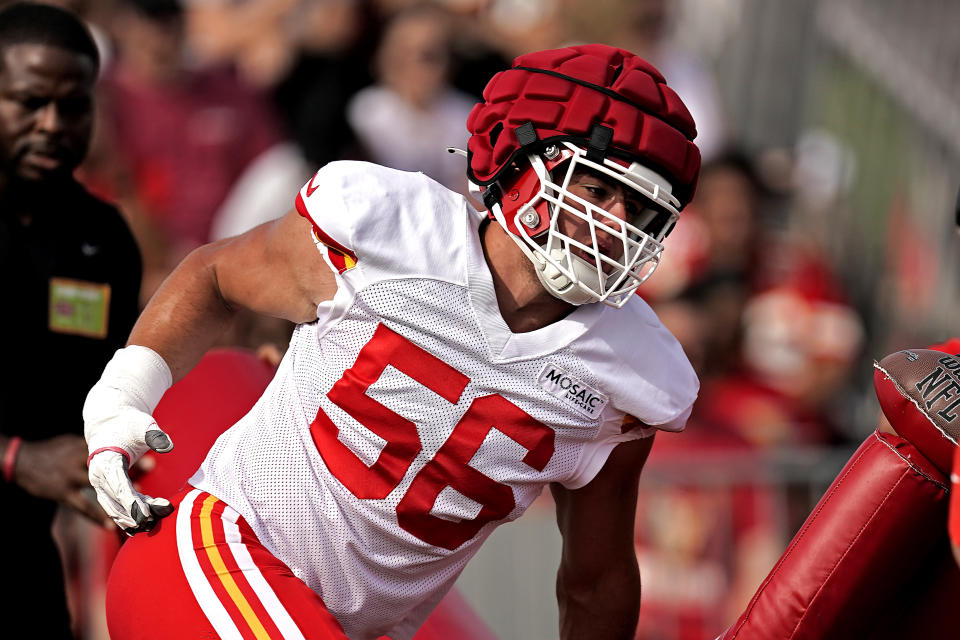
(449, 466)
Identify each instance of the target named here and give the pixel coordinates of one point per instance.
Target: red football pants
(202, 573)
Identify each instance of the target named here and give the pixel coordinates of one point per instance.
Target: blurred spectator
(333, 42)
(262, 192)
(70, 271)
(706, 318)
(477, 54)
(713, 263)
(801, 340)
(646, 27)
(704, 544)
(703, 548)
(766, 325)
(483, 43)
(760, 313)
(252, 36)
(408, 118)
(184, 135)
(310, 56)
(720, 232)
(514, 27)
(728, 205)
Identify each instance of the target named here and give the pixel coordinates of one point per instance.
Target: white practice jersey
(408, 421)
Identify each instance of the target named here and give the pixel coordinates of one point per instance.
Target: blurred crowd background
(821, 236)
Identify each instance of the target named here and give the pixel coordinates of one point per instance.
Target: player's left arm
(598, 584)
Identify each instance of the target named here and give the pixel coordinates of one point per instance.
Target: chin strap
(560, 286)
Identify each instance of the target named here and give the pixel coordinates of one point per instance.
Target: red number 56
(449, 466)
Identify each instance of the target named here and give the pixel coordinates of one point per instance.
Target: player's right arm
(273, 269)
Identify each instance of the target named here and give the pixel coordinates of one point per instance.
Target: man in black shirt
(69, 276)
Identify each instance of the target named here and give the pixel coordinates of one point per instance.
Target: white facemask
(600, 277)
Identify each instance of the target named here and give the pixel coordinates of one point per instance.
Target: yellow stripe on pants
(213, 554)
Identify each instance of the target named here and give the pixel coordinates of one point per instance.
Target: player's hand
(56, 469)
(114, 445)
(119, 429)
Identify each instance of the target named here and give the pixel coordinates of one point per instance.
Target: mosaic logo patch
(579, 395)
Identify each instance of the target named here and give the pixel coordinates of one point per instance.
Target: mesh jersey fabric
(407, 422)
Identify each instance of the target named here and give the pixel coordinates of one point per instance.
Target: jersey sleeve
(645, 371)
(375, 223)
(649, 380)
(320, 201)
(613, 431)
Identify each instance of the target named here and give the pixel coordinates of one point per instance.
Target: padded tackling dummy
(863, 549)
(925, 606)
(216, 393)
(953, 346)
(954, 523)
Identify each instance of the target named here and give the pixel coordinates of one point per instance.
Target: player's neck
(524, 304)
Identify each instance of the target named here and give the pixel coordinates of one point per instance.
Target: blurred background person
(308, 56)
(251, 36)
(70, 270)
(650, 29)
(412, 113)
(333, 43)
(767, 326)
(180, 136)
(720, 241)
(720, 537)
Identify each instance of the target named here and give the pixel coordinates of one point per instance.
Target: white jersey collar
(502, 344)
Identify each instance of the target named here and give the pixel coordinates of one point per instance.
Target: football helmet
(590, 109)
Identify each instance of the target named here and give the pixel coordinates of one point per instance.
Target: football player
(447, 366)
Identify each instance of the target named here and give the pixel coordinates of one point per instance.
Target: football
(919, 393)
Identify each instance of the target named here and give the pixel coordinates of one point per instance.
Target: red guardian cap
(601, 98)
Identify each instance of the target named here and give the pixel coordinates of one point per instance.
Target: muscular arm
(273, 269)
(598, 584)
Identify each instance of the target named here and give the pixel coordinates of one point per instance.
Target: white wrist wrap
(140, 372)
(131, 386)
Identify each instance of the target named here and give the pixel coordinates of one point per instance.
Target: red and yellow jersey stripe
(340, 257)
